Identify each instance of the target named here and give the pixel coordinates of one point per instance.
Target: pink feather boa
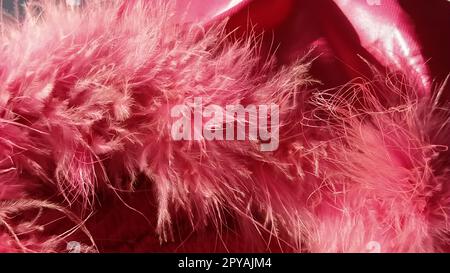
(86, 153)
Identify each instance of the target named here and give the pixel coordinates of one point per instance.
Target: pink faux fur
(86, 153)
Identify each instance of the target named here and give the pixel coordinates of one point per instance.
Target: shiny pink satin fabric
(346, 33)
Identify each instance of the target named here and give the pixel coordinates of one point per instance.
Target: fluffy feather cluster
(86, 152)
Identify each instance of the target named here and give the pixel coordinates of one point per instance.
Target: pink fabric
(382, 30)
(201, 11)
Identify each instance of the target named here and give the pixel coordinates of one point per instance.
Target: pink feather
(86, 152)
